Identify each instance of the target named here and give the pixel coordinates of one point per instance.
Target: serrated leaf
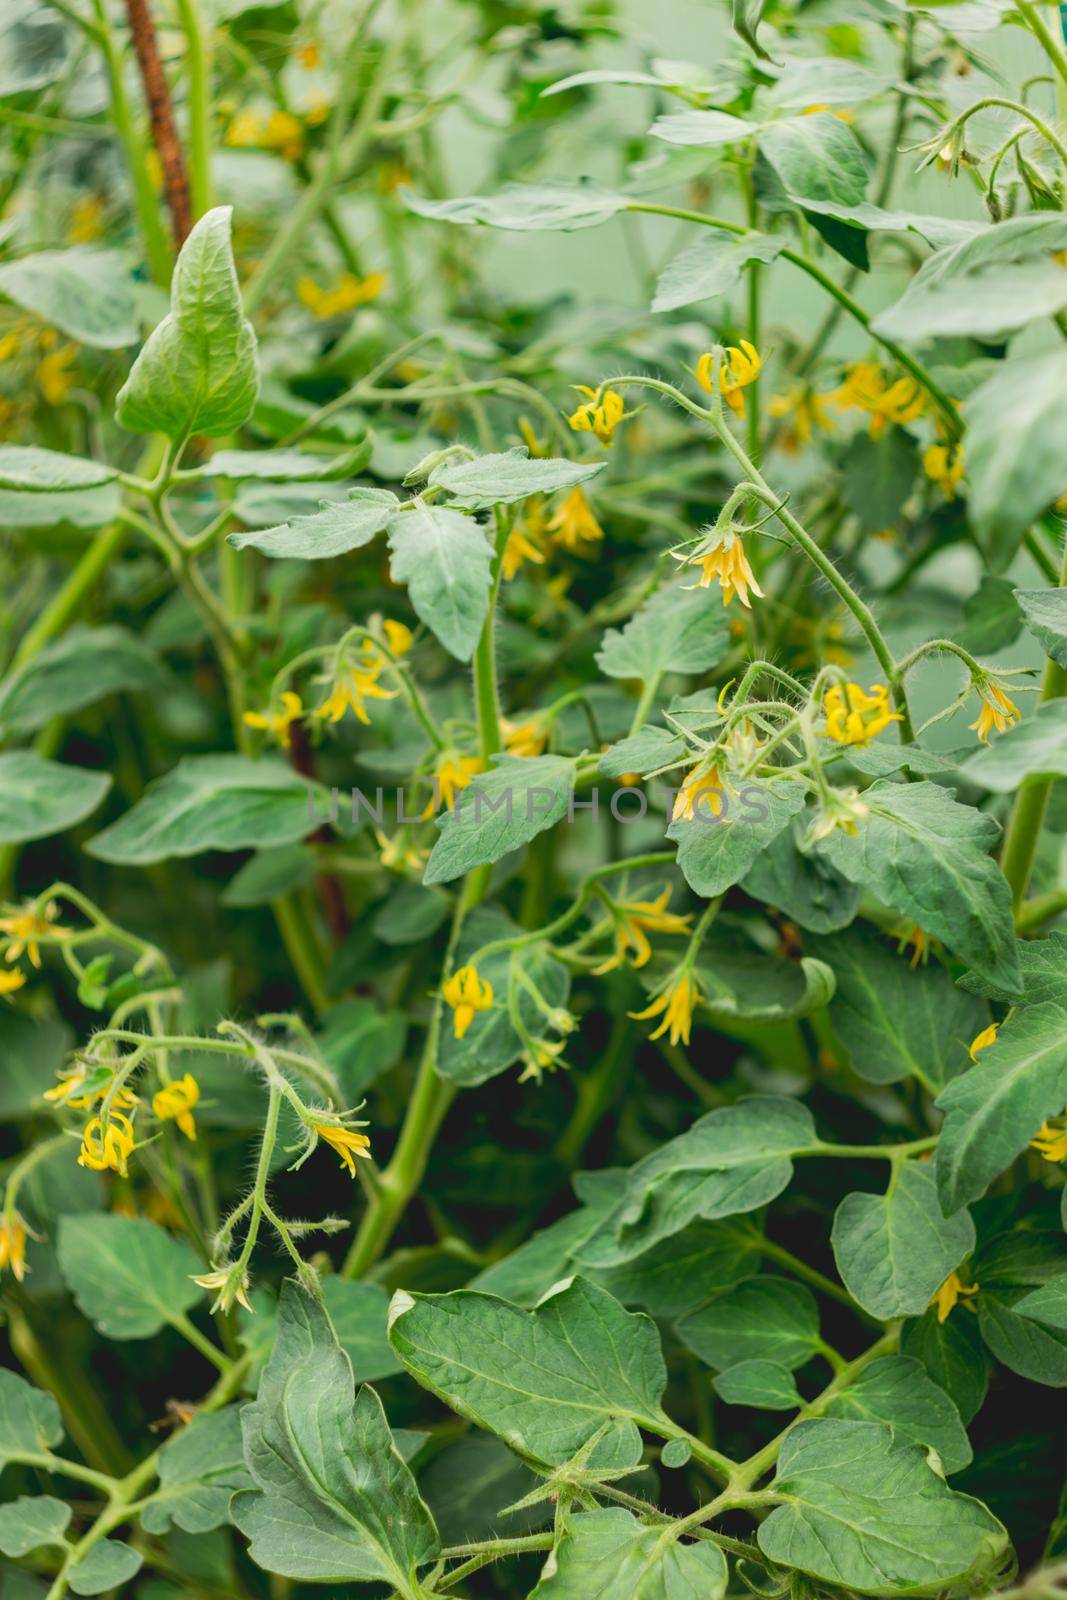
(762, 1385)
(107, 1565)
(677, 630)
(1045, 616)
(31, 1522)
(513, 475)
(544, 1380)
(766, 1319)
(79, 668)
(212, 803)
(894, 1251)
(31, 470)
(86, 293)
(30, 1423)
(710, 267)
(525, 207)
(610, 1555)
(642, 752)
(39, 797)
(897, 1391)
(1043, 963)
(334, 1501)
(129, 1276)
(499, 811)
(199, 1469)
(333, 530)
(730, 1161)
(715, 852)
(994, 1110)
(445, 560)
(866, 1512)
(1036, 747)
(196, 372)
(926, 856)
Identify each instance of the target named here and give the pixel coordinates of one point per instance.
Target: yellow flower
(804, 414)
(309, 55)
(453, 774)
(676, 1004)
(396, 853)
(13, 1245)
(944, 464)
(541, 1056)
(54, 379)
(524, 738)
(573, 524)
(949, 1293)
(841, 809)
(600, 413)
(25, 928)
(996, 710)
(1050, 1142)
(519, 548)
(87, 219)
(356, 682)
(983, 1040)
(12, 342)
(701, 791)
(738, 367)
(75, 1090)
(467, 994)
(231, 1286)
(275, 130)
(634, 920)
(176, 1101)
(854, 717)
(865, 388)
(725, 559)
(346, 1141)
(398, 636)
(10, 983)
(278, 720)
(109, 1147)
(912, 934)
(345, 294)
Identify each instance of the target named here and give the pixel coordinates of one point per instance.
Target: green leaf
(107, 1565)
(712, 266)
(211, 803)
(895, 1020)
(677, 630)
(703, 129)
(825, 80)
(716, 852)
(643, 752)
(129, 1276)
(30, 1424)
(894, 1251)
(361, 1041)
(545, 1380)
(992, 618)
(280, 466)
(79, 668)
(33, 1049)
(897, 1391)
(866, 1512)
(360, 1316)
(952, 1354)
(1043, 963)
(739, 981)
(1036, 747)
(926, 856)
(878, 476)
(270, 873)
(337, 528)
(410, 915)
(746, 16)
(524, 208)
(39, 797)
(802, 885)
(816, 158)
(32, 1521)
(501, 480)
(31, 470)
(1015, 440)
(1047, 1305)
(1020, 1343)
(994, 1110)
(732, 1160)
(1045, 616)
(681, 1272)
(498, 812)
(196, 372)
(199, 1469)
(469, 1483)
(335, 1502)
(765, 1319)
(60, 508)
(445, 560)
(762, 1385)
(86, 293)
(986, 285)
(610, 1555)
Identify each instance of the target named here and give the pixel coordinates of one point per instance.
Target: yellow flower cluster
(867, 388)
(855, 716)
(634, 921)
(675, 1003)
(723, 558)
(738, 366)
(600, 413)
(997, 712)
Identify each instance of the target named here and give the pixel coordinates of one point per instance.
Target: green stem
(198, 83)
(1031, 15)
(69, 598)
(200, 1341)
(1042, 908)
(157, 244)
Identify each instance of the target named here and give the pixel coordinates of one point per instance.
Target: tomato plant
(533, 998)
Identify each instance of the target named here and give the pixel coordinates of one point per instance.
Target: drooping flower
(701, 791)
(231, 1283)
(803, 413)
(346, 1141)
(918, 938)
(54, 377)
(398, 636)
(722, 556)
(10, 982)
(600, 413)
(866, 388)
(634, 921)
(80, 1088)
(675, 1003)
(997, 712)
(944, 464)
(355, 683)
(842, 810)
(176, 1102)
(345, 294)
(738, 367)
(522, 546)
(541, 1056)
(107, 1147)
(1050, 1142)
(524, 738)
(983, 1040)
(25, 928)
(855, 716)
(13, 1245)
(453, 773)
(573, 524)
(952, 1290)
(278, 719)
(467, 994)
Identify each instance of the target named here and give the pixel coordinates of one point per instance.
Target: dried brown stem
(161, 116)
